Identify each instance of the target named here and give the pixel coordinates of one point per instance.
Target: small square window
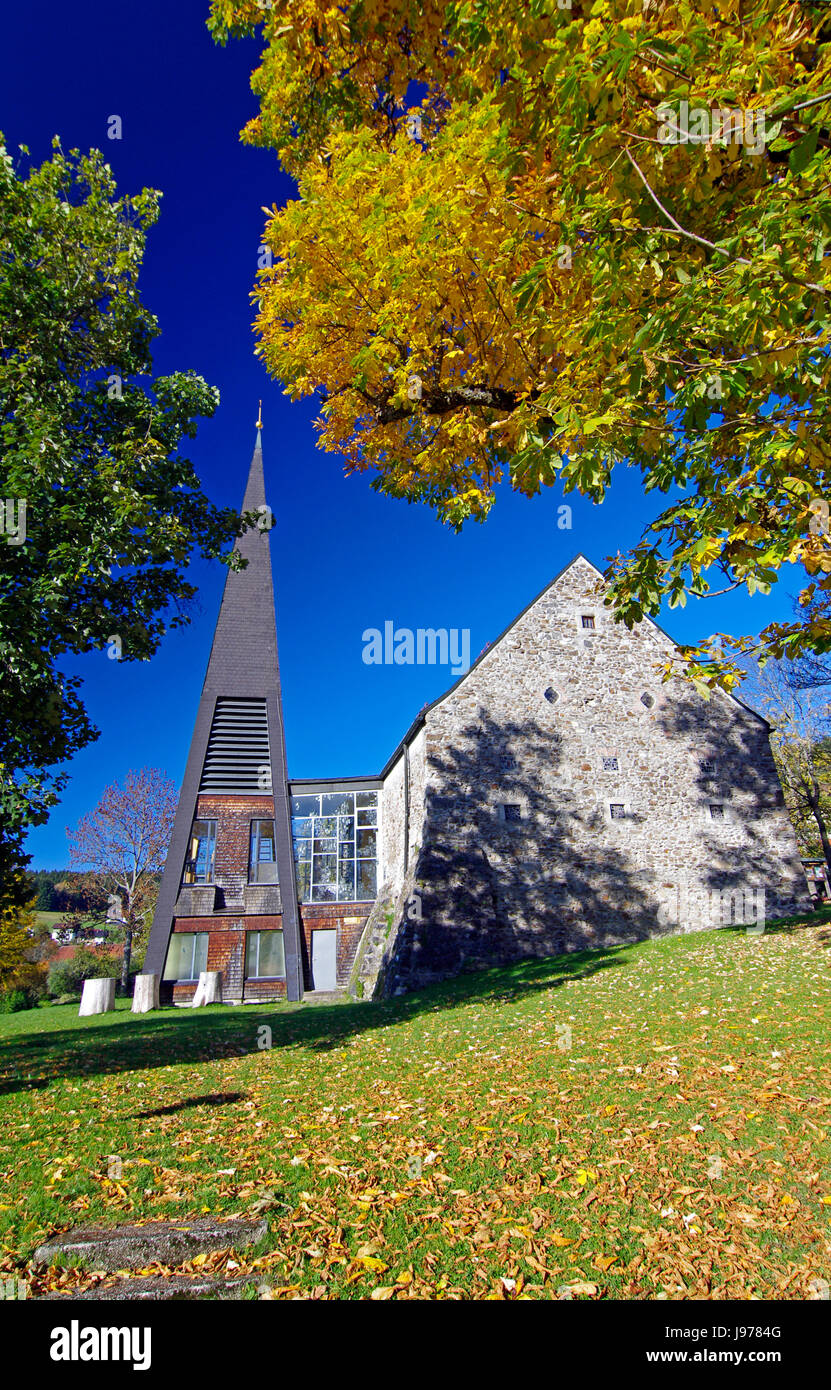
(512, 811)
(507, 762)
(647, 700)
(617, 810)
(717, 812)
(708, 768)
(610, 765)
(587, 621)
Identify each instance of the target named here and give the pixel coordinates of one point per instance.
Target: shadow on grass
(216, 1098)
(176, 1036)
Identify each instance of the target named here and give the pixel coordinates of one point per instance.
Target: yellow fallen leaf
(369, 1262)
(382, 1292)
(604, 1262)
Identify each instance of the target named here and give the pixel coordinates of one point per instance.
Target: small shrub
(14, 1001)
(67, 976)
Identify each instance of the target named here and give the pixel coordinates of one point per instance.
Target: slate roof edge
(422, 714)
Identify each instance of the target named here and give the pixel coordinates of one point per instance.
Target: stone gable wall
(568, 875)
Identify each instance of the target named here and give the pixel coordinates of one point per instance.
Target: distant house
(67, 952)
(86, 936)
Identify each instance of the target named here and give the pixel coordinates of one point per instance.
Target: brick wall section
(233, 815)
(567, 876)
(226, 946)
(226, 952)
(347, 919)
(226, 930)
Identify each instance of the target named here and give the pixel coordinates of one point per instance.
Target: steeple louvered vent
(238, 751)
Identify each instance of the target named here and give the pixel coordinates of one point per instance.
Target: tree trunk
(146, 994)
(128, 953)
(813, 794)
(98, 997)
(209, 989)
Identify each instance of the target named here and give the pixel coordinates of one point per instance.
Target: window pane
(262, 866)
(366, 799)
(301, 827)
(303, 872)
(199, 866)
(337, 803)
(366, 844)
(366, 880)
(367, 817)
(325, 868)
(324, 893)
(179, 957)
(346, 880)
(305, 805)
(346, 828)
(200, 955)
(326, 825)
(264, 955)
(325, 844)
(272, 954)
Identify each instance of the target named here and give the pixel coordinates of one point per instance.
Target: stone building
(558, 797)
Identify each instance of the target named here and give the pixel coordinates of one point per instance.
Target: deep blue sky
(344, 559)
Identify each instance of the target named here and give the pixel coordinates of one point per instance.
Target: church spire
(237, 758)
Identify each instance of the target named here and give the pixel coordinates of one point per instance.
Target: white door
(324, 959)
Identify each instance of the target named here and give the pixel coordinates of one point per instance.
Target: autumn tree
(123, 845)
(801, 742)
(533, 242)
(99, 511)
(22, 949)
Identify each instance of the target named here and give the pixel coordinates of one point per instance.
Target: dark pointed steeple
(238, 747)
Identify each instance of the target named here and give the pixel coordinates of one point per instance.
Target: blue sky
(344, 559)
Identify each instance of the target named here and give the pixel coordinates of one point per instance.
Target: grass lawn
(458, 1142)
(51, 920)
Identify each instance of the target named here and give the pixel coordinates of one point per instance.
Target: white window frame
(186, 979)
(343, 791)
(259, 935)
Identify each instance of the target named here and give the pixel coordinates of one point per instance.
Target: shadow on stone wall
(745, 781)
(491, 892)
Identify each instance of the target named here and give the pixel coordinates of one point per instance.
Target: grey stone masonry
(561, 797)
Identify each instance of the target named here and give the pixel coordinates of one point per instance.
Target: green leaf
(803, 151)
